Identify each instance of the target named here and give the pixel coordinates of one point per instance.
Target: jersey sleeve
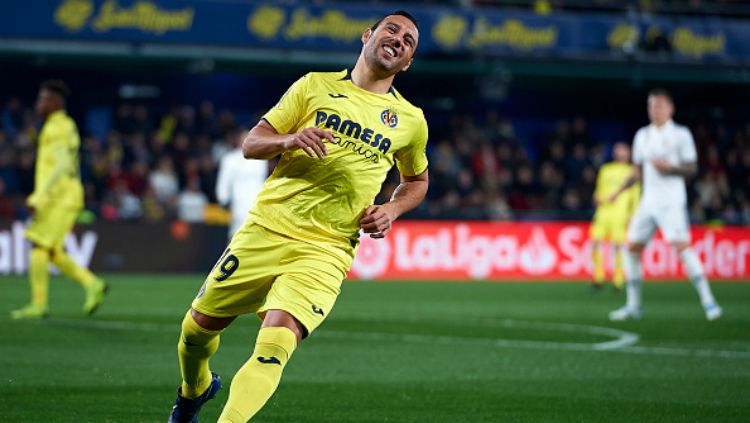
(290, 109)
(56, 160)
(687, 147)
(412, 159)
(638, 156)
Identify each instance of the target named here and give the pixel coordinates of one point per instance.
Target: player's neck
(52, 112)
(365, 78)
(660, 124)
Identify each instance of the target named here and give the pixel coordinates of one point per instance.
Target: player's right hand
(613, 197)
(310, 140)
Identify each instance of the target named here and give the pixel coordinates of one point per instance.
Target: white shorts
(672, 221)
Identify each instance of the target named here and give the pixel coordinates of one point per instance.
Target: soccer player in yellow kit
(56, 201)
(611, 218)
(338, 135)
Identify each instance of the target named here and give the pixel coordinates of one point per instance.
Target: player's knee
(281, 318)
(209, 322)
(194, 335)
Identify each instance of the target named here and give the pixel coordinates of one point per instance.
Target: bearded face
(390, 47)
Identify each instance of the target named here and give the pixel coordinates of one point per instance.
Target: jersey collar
(57, 113)
(668, 125)
(348, 77)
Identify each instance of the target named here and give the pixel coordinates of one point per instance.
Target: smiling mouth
(390, 50)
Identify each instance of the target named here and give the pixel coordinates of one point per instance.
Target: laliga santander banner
(447, 250)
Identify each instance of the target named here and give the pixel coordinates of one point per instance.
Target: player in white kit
(239, 181)
(664, 155)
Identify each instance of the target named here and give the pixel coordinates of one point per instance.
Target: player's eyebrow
(396, 27)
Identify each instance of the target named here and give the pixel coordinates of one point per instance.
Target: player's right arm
(278, 130)
(632, 179)
(264, 142)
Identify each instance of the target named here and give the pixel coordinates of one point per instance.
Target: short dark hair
(403, 13)
(57, 86)
(661, 92)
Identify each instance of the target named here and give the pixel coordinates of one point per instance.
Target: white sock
(697, 275)
(632, 263)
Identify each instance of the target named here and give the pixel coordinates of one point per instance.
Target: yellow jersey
(611, 177)
(57, 173)
(323, 200)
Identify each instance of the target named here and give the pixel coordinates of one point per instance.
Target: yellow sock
(258, 378)
(597, 256)
(195, 347)
(619, 277)
(72, 270)
(39, 276)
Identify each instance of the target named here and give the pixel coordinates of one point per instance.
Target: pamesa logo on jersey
(389, 118)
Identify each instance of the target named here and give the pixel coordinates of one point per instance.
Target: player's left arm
(61, 165)
(685, 169)
(412, 165)
(378, 219)
(688, 165)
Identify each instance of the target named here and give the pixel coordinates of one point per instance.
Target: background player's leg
(258, 378)
(39, 282)
(634, 274)
(73, 270)
(618, 278)
(697, 276)
(95, 287)
(39, 276)
(640, 231)
(597, 257)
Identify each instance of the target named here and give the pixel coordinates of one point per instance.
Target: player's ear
(407, 65)
(366, 35)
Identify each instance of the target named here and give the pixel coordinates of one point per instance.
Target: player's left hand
(377, 221)
(662, 166)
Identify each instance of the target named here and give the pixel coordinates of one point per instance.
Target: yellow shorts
(263, 270)
(609, 227)
(50, 225)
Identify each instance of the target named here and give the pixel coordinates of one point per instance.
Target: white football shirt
(238, 184)
(672, 143)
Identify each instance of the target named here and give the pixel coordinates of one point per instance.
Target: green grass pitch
(394, 352)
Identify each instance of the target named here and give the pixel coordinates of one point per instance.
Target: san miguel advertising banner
(516, 251)
(414, 250)
(338, 27)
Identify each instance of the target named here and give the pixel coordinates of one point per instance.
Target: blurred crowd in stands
(163, 166)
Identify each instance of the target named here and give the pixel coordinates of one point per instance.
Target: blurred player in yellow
(56, 201)
(610, 222)
(338, 135)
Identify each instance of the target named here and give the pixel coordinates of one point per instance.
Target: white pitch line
(624, 341)
(685, 352)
